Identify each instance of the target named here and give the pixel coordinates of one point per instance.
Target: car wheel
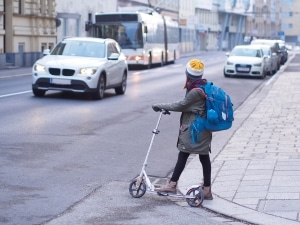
(225, 74)
(99, 94)
(263, 74)
(278, 66)
(38, 93)
(121, 89)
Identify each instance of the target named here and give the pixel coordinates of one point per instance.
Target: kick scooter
(138, 187)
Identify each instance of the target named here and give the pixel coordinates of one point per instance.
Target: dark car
(284, 52)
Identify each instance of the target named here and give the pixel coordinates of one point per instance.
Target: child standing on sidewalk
(192, 104)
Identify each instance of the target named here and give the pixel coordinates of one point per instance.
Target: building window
(43, 46)
(50, 45)
(287, 2)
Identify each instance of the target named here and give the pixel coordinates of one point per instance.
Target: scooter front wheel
(198, 197)
(137, 190)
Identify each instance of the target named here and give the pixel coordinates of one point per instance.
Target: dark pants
(181, 162)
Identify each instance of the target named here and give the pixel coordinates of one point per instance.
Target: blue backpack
(219, 112)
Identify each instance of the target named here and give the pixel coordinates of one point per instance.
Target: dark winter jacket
(192, 104)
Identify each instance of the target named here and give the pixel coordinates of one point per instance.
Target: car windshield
(246, 52)
(80, 48)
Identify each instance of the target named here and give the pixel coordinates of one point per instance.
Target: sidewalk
(256, 175)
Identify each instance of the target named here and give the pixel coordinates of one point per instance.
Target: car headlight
(39, 68)
(87, 71)
(229, 63)
(257, 64)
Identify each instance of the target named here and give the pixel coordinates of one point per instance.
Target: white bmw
(83, 65)
(245, 60)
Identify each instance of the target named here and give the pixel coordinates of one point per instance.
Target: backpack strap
(202, 91)
(208, 88)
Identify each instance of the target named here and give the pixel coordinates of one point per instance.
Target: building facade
(187, 23)
(26, 28)
(264, 20)
(290, 15)
(208, 27)
(75, 16)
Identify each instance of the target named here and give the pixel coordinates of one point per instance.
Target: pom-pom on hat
(194, 69)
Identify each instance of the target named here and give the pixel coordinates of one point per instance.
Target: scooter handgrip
(166, 112)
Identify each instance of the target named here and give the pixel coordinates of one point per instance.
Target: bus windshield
(127, 34)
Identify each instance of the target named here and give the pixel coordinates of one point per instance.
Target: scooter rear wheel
(137, 191)
(198, 195)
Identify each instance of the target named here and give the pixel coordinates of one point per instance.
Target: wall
(29, 26)
(73, 15)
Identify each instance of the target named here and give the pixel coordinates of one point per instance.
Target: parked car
(274, 44)
(245, 60)
(83, 65)
(270, 60)
(284, 51)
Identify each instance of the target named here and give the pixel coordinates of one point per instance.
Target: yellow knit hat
(194, 69)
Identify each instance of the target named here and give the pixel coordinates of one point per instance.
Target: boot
(207, 193)
(170, 187)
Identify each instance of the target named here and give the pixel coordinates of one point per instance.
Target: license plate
(244, 69)
(60, 81)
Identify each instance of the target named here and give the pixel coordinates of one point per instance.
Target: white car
(83, 65)
(245, 60)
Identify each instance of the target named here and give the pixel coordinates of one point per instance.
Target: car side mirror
(227, 54)
(114, 56)
(46, 52)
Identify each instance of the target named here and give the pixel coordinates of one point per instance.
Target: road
(64, 152)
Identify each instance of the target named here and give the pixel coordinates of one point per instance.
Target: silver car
(271, 59)
(83, 65)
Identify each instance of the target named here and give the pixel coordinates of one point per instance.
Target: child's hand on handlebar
(156, 109)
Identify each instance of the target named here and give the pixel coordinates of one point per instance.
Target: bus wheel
(150, 60)
(174, 59)
(162, 59)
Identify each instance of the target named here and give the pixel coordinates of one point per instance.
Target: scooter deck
(175, 195)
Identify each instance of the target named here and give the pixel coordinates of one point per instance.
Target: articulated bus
(146, 37)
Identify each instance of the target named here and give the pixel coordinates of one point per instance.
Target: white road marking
(13, 94)
(17, 75)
